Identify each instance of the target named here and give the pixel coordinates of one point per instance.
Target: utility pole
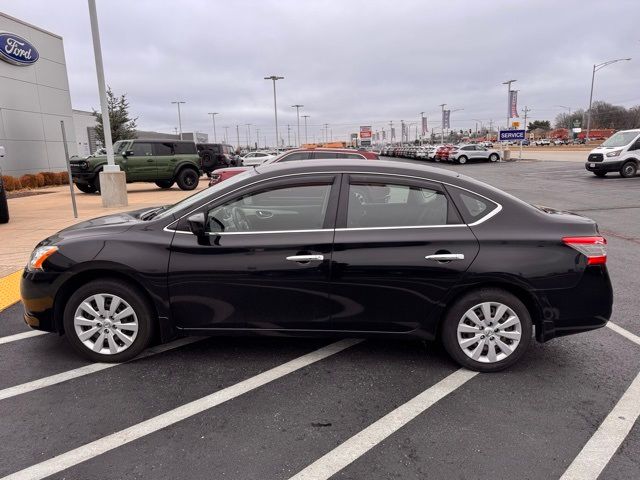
(421, 127)
(298, 107)
(213, 119)
(257, 138)
(288, 135)
(442, 105)
(306, 139)
(526, 111)
(248, 125)
(226, 134)
(391, 132)
(326, 133)
(490, 129)
(178, 102)
(238, 136)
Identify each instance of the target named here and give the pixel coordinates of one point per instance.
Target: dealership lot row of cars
(445, 152)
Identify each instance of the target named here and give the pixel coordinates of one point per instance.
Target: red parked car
(442, 153)
(222, 174)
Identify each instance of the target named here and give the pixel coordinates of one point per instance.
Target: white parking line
(21, 336)
(117, 439)
(625, 333)
(356, 446)
(601, 447)
(88, 369)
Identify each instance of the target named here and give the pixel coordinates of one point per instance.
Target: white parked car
(464, 153)
(256, 158)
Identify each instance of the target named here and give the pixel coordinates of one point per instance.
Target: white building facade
(34, 99)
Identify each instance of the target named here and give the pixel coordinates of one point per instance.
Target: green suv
(163, 162)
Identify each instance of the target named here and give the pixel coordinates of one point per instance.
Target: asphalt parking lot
(275, 408)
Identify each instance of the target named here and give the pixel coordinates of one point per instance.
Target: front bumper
(37, 290)
(604, 166)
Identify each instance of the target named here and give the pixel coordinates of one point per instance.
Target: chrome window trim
(477, 222)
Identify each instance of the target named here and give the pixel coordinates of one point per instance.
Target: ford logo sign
(16, 50)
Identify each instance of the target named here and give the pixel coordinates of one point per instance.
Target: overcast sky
(349, 62)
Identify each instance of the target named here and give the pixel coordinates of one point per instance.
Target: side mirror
(127, 153)
(197, 224)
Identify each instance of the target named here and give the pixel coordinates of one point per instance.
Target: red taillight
(591, 247)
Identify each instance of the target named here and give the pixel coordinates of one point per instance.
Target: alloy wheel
(105, 323)
(489, 332)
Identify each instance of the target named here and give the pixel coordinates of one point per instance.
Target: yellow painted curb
(10, 289)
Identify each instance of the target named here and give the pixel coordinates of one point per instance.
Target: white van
(619, 153)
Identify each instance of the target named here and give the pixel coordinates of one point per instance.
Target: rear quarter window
(472, 206)
(185, 148)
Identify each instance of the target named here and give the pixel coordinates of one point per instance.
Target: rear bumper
(603, 166)
(587, 306)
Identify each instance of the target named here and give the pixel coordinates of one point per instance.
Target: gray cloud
(349, 62)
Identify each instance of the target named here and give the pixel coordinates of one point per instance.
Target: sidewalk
(36, 217)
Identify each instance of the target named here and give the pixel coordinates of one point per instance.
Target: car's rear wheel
(86, 187)
(462, 159)
(600, 174)
(165, 183)
(487, 330)
(493, 157)
(108, 321)
(187, 179)
(629, 170)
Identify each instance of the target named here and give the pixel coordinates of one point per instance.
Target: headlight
(39, 255)
(615, 153)
(83, 165)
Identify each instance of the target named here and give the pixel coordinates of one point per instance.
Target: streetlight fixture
(298, 107)
(275, 105)
(597, 67)
(178, 102)
(306, 139)
(213, 119)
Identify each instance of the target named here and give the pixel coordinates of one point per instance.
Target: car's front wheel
(164, 183)
(86, 187)
(493, 157)
(487, 330)
(462, 159)
(187, 179)
(629, 170)
(108, 321)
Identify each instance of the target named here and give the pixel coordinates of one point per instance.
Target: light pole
(178, 102)
(326, 133)
(257, 138)
(481, 125)
(508, 84)
(238, 136)
(213, 119)
(306, 139)
(597, 67)
(421, 126)
(275, 105)
(226, 134)
(442, 105)
(114, 192)
(298, 107)
(248, 125)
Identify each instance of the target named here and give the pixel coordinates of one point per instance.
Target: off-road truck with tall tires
(163, 162)
(216, 155)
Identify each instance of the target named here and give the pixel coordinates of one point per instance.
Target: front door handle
(445, 257)
(150, 160)
(264, 214)
(305, 258)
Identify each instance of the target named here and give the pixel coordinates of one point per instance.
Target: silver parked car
(463, 153)
(256, 158)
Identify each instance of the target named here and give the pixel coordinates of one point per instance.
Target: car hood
(106, 225)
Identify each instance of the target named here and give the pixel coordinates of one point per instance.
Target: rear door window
(472, 206)
(165, 148)
(185, 148)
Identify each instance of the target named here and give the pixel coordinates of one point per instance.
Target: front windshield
(620, 139)
(203, 194)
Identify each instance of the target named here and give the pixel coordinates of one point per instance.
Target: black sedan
(326, 248)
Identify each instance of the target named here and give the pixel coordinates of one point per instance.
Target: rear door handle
(264, 214)
(445, 257)
(306, 258)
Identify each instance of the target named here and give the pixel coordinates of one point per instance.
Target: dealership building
(34, 99)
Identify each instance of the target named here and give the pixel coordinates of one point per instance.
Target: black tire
(462, 159)
(165, 183)
(493, 157)
(600, 174)
(187, 179)
(96, 183)
(629, 169)
(4, 207)
(129, 294)
(455, 314)
(207, 160)
(86, 187)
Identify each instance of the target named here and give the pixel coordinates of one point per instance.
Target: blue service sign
(506, 135)
(16, 50)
